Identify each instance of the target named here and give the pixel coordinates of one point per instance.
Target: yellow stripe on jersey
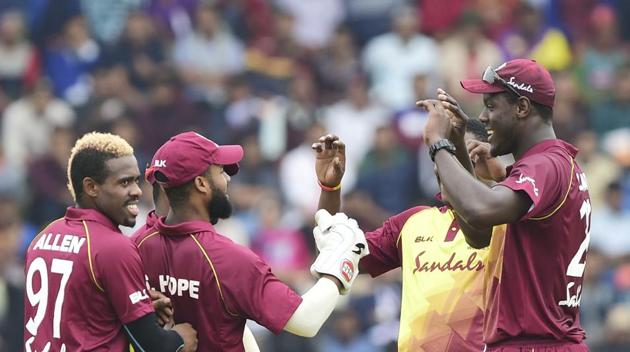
(216, 275)
(565, 195)
(148, 236)
(89, 253)
(442, 298)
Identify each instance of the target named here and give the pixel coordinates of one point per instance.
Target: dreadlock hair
(88, 157)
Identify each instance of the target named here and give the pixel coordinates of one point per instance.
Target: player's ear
(202, 184)
(90, 187)
(523, 107)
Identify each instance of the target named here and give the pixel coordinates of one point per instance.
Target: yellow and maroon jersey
(442, 298)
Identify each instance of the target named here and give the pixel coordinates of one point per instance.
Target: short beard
(219, 206)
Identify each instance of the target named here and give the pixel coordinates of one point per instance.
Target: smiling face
(118, 196)
(499, 117)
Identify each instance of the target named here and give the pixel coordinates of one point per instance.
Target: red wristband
(329, 189)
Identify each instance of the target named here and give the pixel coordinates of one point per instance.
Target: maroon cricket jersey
(84, 281)
(214, 283)
(534, 275)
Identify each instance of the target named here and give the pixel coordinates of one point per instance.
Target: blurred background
(273, 75)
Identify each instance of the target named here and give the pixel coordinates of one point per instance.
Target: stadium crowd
(273, 75)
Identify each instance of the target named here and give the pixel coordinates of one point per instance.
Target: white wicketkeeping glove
(341, 245)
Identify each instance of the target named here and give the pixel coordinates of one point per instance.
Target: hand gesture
(486, 166)
(459, 119)
(439, 123)
(162, 306)
(189, 335)
(330, 162)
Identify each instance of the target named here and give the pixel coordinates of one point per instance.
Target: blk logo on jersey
(347, 270)
(159, 163)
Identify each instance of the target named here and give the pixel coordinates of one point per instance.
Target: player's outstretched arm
(330, 165)
(145, 335)
(341, 244)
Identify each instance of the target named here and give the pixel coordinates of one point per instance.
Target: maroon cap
(524, 76)
(188, 155)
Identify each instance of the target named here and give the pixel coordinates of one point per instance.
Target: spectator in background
(336, 66)
(281, 244)
(345, 335)
(12, 231)
(140, 51)
(570, 113)
(20, 66)
(113, 97)
(301, 193)
(614, 112)
(208, 56)
(355, 120)
(392, 59)
(257, 177)
(387, 173)
(48, 178)
(174, 18)
(599, 167)
(610, 232)
(107, 19)
(368, 19)
(597, 296)
(69, 62)
(284, 121)
(271, 61)
(244, 109)
(28, 124)
(602, 56)
(465, 53)
(312, 30)
(168, 113)
(531, 38)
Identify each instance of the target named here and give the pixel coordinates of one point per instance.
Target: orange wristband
(329, 189)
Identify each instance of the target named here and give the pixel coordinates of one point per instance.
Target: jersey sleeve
(254, 292)
(542, 177)
(122, 278)
(385, 251)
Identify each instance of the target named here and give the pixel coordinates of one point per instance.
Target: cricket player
(217, 285)
(85, 288)
(442, 293)
(537, 267)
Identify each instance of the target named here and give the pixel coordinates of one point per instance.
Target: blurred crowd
(273, 75)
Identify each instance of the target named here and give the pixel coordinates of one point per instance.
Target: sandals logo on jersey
(347, 270)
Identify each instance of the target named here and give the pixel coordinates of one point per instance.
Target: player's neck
(186, 214)
(542, 133)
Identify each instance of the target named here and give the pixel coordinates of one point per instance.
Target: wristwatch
(441, 144)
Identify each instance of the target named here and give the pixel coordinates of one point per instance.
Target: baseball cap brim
(480, 87)
(229, 156)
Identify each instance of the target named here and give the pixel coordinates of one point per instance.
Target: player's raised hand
(439, 124)
(486, 166)
(189, 335)
(330, 161)
(162, 306)
(459, 119)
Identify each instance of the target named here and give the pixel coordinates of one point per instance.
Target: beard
(219, 206)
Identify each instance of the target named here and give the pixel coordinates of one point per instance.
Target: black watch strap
(441, 144)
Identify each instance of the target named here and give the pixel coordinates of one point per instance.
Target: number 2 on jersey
(40, 298)
(576, 266)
